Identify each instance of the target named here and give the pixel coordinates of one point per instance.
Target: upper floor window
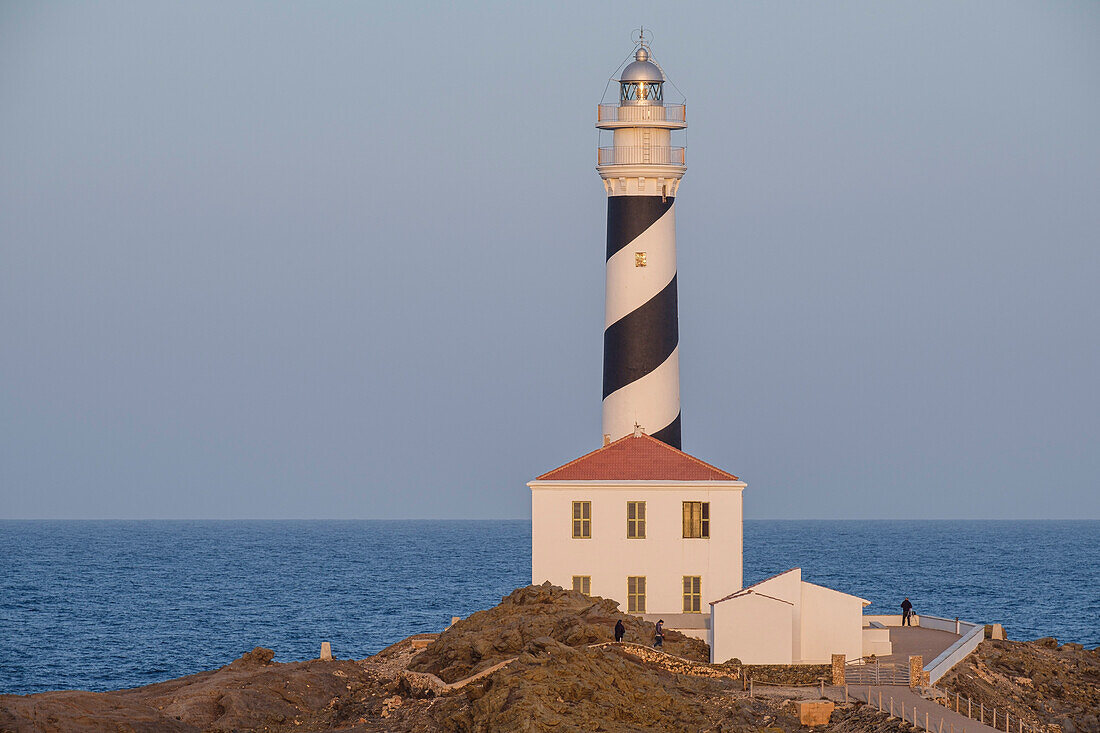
(693, 594)
(583, 584)
(635, 520)
(635, 594)
(582, 520)
(697, 519)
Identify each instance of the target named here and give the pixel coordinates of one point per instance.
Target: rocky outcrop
(498, 675)
(552, 686)
(533, 612)
(1040, 682)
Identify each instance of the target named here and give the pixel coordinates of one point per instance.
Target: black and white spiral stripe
(641, 362)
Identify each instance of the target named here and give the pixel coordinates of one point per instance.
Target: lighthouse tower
(641, 173)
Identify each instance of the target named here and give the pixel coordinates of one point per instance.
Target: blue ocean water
(103, 605)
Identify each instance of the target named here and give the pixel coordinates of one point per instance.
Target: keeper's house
(642, 521)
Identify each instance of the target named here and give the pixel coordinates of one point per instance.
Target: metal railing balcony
(642, 113)
(640, 155)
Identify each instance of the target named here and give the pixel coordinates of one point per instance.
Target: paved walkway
(917, 710)
(909, 640)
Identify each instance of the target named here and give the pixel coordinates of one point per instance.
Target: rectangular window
(582, 520)
(693, 595)
(697, 519)
(635, 520)
(583, 584)
(635, 594)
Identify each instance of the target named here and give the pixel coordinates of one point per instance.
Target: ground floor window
(693, 596)
(583, 584)
(635, 594)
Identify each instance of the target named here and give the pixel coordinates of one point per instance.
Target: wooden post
(879, 698)
(926, 720)
(981, 712)
(823, 688)
(957, 697)
(750, 687)
(968, 707)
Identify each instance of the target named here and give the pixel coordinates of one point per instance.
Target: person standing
(659, 637)
(906, 612)
(620, 631)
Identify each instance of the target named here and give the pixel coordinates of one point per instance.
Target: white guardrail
(972, 635)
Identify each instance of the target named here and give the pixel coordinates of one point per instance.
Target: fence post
(994, 726)
(879, 698)
(926, 720)
(968, 706)
(750, 686)
(823, 687)
(981, 712)
(891, 707)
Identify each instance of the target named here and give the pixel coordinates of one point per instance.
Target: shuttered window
(693, 594)
(635, 520)
(697, 519)
(582, 520)
(583, 584)
(635, 594)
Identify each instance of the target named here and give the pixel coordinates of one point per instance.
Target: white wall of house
(663, 557)
(832, 623)
(755, 629)
(822, 622)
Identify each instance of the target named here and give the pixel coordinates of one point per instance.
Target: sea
(99, 605)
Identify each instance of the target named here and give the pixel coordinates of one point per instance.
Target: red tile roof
(642, 458)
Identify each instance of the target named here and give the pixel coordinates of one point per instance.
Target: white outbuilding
(786, 620)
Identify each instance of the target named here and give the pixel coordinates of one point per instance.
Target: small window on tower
(639, 259)
(583, 584)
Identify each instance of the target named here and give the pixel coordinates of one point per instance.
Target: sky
(345, 260)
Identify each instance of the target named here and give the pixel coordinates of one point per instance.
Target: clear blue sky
(346, 259)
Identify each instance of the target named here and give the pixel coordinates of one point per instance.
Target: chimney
(606, 439)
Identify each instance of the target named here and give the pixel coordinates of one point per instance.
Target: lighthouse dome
(641, 68)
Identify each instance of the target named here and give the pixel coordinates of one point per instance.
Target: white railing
(640, 155)
(642, 113)
(952, 655)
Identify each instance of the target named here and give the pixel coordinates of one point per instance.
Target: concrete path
(916, 708)
(909, 640)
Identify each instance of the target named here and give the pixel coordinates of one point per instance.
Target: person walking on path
(620, 631)
(906, 612)
(659, 637)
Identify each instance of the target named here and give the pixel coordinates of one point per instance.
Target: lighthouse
(641, 172)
